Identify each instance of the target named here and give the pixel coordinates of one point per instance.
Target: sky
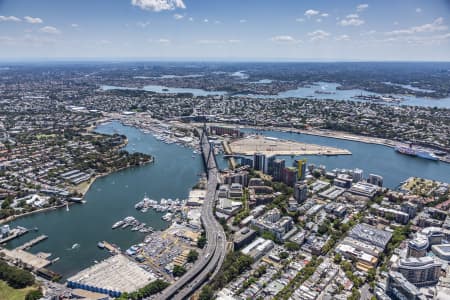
(249, 30)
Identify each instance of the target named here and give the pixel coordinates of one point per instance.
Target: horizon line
(207, 60)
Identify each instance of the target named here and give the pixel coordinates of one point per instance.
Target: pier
(33, 242)
(31, 261)
(111, 248)
(15, 233)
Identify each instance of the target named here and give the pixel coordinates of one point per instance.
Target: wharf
(33, 242)
(16, 232)
(30, 260)
(111, 248)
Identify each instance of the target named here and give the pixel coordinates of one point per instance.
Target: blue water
(377, 159)
(345, 95)
(171, 176)
(110, 199)
(301, 92)
(166, 90)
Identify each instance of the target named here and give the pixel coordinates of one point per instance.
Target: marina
(174, 173)
(110, 199)
(14, 233)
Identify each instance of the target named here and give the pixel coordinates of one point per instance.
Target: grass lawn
(8, 293)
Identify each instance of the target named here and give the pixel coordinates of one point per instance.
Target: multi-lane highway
(215, 250)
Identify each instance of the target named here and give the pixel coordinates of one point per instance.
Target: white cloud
(243, 21)
(178, 16)
(50, 30)
(32, 20)
(418, 10)
(362, 7)
(158, 5)
(342, 37)
(352, 20)
(418, 39)
(163, 41)
(311, 12)
(9, 19)
(368, 33)
(74, 25)
(217, 22)
(436, 25)
(324, 15)
(318, 35)
(352, 16)
(300, 20)
(285, 39)
(143, 24)
(27, 40)
(218, 42)
(6, 40)
(104, 42)
(205, 20)
(191, 19)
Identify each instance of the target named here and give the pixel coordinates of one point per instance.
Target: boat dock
(15, 233)
(32, 261)
(111, 248)
(33, 242)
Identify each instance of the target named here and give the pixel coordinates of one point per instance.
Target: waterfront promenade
(216, 246)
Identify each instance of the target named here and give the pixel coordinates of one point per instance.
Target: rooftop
(116, 273)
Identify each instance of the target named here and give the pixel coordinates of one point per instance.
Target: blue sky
(226, 29)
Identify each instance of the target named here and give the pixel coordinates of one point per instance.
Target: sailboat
(67, 206)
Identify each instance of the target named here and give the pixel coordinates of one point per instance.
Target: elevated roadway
(215, 250)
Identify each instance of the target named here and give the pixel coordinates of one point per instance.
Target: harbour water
(326, 91)
(174, 172)
(166, 90)
(377, 159)
(111, 198)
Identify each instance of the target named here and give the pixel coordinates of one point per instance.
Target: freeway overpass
(215, 250)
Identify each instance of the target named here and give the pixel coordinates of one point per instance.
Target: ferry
(416, 153)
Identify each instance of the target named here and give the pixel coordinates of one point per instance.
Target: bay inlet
(174, 172)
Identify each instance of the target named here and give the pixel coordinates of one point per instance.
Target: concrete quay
(275, 146)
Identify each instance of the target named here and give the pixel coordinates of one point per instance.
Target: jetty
(15, 233)
(33, 242)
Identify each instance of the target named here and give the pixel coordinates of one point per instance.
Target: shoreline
(340, 135)
(323, 133)
(82, 190)
(15, 217)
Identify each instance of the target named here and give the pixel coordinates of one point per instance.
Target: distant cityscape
(252, 197)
